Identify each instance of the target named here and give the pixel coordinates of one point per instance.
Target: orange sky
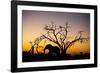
(34, 21)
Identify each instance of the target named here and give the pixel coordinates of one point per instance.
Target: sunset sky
(33, 23)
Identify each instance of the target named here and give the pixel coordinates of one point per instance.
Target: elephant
(53, 50)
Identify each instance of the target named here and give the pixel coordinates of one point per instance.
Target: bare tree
(37, 42)
(59, 36)
(32, 48)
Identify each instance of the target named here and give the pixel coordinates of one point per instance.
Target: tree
(32, 48)
(35, 45)
(59, 36)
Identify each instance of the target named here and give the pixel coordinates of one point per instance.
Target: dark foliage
(54, 54)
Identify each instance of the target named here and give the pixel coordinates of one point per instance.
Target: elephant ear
(46, 51)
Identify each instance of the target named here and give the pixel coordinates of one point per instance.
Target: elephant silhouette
(53, 50)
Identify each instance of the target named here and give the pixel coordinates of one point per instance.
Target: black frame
(14, 5)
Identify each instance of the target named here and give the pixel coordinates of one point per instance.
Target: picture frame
(27, 14)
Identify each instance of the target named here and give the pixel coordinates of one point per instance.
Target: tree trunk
(63, 52)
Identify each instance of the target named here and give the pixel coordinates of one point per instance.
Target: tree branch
(49, 38)
(74, 41)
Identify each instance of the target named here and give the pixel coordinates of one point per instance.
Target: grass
(29, 57)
